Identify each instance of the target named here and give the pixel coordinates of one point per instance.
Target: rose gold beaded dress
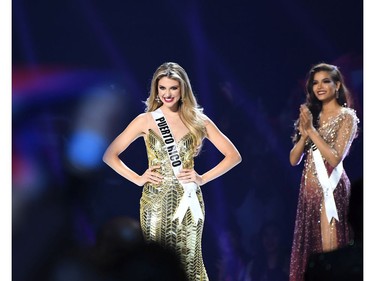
(309, 233)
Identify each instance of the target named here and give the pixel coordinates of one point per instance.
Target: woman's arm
(333, 155)
(298, 150)
(231, 155)
(134, 130)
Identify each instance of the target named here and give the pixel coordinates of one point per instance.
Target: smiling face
(169, 92)
(324, 87)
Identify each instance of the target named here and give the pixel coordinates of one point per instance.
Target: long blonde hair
(190, 112)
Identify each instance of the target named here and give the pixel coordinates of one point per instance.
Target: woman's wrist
(310, 131)
(202, 180)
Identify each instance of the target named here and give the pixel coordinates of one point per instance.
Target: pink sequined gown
(339, 133)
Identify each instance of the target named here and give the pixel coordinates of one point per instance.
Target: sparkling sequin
(339, 133)
(159, 202)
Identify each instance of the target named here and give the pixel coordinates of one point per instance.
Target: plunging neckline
(161, 138)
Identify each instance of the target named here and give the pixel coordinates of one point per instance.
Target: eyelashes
(325, 81)
(172, 88)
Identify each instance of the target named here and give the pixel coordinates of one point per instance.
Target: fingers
(305, 116)
(152, 176)
(187, 175)
(151, 168)
(305, 111)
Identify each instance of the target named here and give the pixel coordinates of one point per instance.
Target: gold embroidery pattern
(159, 203)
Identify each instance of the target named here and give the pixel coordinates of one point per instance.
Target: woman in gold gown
(170, 214)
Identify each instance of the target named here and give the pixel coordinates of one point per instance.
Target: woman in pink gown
(324, 132)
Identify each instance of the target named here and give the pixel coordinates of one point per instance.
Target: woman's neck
(330, 107)
(170, 111)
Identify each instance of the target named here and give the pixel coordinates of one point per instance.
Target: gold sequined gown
(339, 133)
(159, 202)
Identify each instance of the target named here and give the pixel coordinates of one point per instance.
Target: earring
(337, 94)
(157, 99)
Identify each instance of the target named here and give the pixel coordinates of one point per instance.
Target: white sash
(328, 183)
(189, 198)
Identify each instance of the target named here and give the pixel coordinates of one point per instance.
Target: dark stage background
(81, 70)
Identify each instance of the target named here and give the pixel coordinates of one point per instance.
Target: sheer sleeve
(346, 133)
